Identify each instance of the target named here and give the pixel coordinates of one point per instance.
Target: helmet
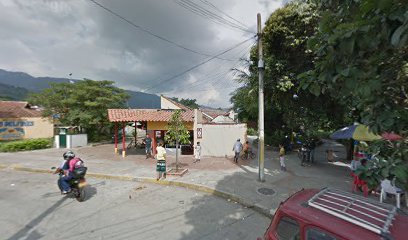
(68, 155)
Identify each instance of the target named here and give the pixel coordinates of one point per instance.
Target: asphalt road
(31, 207)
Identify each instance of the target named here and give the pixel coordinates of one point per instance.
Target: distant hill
(17, 85)
(24, 80)
(143, 100)
(11, 93)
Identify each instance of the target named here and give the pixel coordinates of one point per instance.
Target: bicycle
(248, 155)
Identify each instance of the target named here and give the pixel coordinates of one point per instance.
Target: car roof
(297, 207)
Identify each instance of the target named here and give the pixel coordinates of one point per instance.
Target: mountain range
(15, 86)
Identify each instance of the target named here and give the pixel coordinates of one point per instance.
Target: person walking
(237, 149)
(282, 157)
(197, 152)
(161, 161)
(312, 147)
(246, 149)
(148, 146)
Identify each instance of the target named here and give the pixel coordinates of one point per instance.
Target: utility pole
(261, 137)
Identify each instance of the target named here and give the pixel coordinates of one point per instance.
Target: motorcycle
(77, 183)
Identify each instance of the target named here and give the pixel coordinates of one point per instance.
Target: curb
(201, 188)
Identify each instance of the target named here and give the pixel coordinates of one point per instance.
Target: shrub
(252, 132)
(277, 137)
(25, 145)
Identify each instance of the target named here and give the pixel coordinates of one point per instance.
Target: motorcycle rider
(67, 166)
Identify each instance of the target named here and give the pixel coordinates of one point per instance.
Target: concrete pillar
(116, 138)
(123, 140)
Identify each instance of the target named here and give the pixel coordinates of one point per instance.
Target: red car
(330, 214)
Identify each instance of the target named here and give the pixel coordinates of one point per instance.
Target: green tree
(361, 60)
(83, 103)
(286, 55)
(190, 103)
(177, 132)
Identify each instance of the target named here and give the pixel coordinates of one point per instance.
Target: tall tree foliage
(191, 103)
(362, 61)
(83, 103)
(286, 56)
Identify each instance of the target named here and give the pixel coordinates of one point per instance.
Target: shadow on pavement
(234, 221)
(26, 232)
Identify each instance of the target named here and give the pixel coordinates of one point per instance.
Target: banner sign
(13, 130)
(16, 123)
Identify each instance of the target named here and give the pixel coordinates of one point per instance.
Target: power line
(198, 65)
(216, 8)
(150, 32)
(213, 77)
(203, 12)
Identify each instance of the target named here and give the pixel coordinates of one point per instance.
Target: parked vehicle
(330, 214)
(77, 184)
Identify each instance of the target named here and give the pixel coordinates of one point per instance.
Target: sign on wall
(13, 130)
(16, 123)
(199, 133)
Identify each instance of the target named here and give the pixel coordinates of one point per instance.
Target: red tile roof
(146, 115)
(12, 109)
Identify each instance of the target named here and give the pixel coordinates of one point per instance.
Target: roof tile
(146, 115)
(13, 109)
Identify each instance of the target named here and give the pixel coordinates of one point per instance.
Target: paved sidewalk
(220, 176)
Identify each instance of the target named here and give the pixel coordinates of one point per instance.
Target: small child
(198, 152)
(282, 157)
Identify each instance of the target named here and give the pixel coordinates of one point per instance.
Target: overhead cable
(196, 66)
(150, 32)
(212, 16)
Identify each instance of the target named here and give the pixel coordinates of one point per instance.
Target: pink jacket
(72, 164)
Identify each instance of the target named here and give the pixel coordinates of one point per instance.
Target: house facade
(20, 120)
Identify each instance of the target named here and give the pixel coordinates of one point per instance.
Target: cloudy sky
(147, 46)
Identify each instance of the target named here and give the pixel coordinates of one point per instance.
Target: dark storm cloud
(57, 37)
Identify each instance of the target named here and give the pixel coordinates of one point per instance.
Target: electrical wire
(216, 8)
(214, 78)
(150, 32)
(203, 12)
(197, 65)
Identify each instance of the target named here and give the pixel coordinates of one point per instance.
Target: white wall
(218, 140)
(166, 104)
(77, 140)
(56, 141)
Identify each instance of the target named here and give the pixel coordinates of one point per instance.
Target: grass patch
(25, 145)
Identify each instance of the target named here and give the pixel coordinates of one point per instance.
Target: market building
(154, 121)
(20, 120)
(217, 133)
